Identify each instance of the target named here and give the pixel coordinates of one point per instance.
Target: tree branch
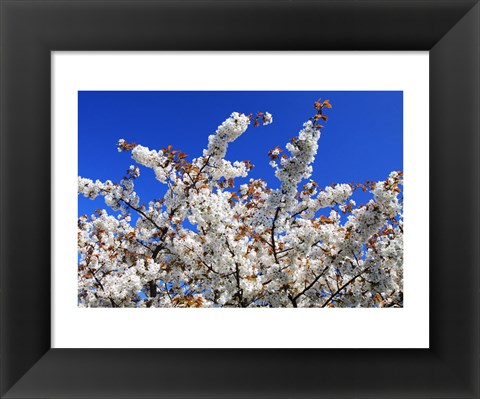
(140, 212)
(299, 212)
(202, 168)
(239, 293)
(152, 287)
(312, 283)
(344, 285)
(274, 248)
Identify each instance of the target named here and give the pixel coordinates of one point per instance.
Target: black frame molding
(31, 29)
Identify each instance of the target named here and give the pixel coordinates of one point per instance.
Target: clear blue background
(362, 139)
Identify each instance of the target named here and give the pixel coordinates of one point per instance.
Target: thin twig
(345, 285)
(273, 235)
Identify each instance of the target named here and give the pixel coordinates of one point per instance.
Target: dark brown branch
(103, 289)
(97, 280)
(311, 284)
(152, 286)
(293, 300)
(344, 285)
(239, 293)
(140, 212)
(168, 294)
(284, 250)
(214, 271)
(356, 259)
(209, 267)
(273, 235)
(146, 246)
(202, 168)
(299, 212)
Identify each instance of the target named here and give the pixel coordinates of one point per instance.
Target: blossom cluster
(210, 242)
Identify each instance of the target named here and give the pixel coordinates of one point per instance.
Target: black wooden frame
(30, 30)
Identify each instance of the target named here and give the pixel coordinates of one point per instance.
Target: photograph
(240, 199)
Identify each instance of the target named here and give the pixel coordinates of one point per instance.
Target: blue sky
(362, 139)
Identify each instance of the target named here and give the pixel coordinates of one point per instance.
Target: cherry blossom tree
(209, 242)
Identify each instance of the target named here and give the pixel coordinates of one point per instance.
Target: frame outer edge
(35, 350)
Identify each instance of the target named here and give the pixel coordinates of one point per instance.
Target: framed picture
(61, 337)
